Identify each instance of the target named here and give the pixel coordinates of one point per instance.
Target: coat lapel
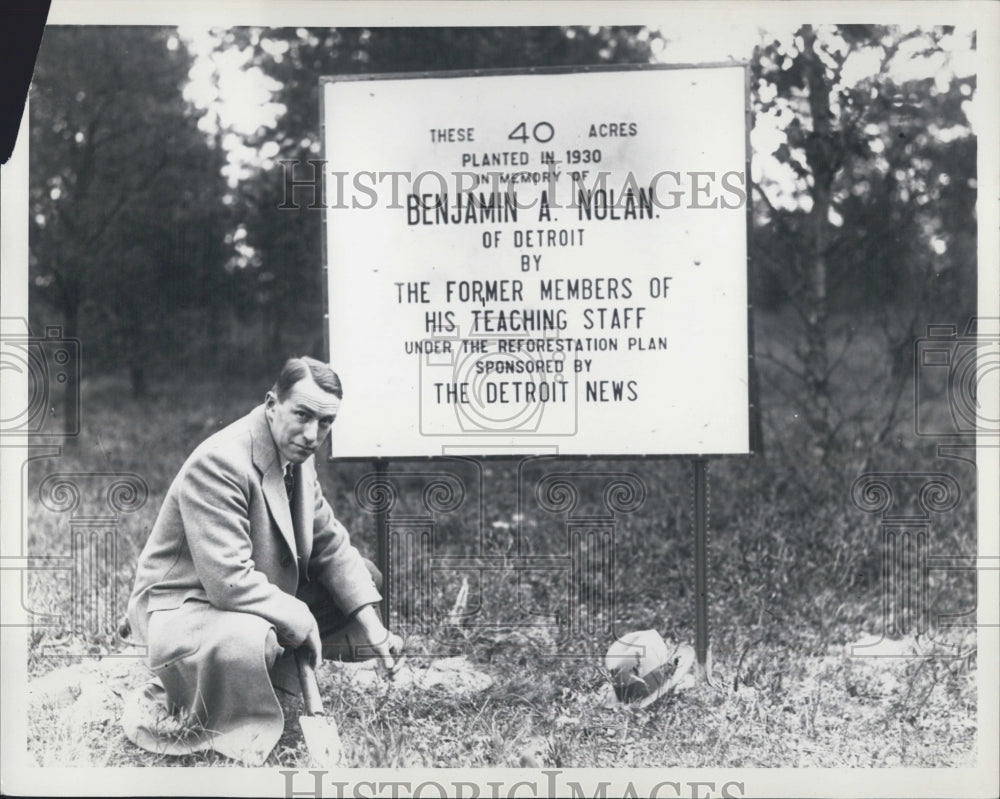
(265, 458)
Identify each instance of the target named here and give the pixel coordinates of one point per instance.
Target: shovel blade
(322, 740)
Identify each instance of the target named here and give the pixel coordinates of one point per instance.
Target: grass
(795, 579)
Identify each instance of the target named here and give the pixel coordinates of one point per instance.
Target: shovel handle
(307, 680)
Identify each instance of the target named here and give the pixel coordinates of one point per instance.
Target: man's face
(301, 422)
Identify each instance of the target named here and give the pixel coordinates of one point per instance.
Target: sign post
(701, 565)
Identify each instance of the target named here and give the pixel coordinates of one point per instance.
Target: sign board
(548, 259)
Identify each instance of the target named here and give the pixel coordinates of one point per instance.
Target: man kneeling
(245, 563)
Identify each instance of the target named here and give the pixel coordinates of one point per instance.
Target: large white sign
(538, 260)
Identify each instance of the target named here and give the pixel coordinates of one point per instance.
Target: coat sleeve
(335, 562)
(214, 506)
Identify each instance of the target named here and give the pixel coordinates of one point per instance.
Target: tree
(127, 223)
(883, 207)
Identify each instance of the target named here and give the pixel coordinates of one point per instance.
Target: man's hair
(295, 369)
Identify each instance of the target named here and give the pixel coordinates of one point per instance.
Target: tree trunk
(819, 153)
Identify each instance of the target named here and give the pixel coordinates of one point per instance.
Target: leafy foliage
(127, 227)
(882, 213)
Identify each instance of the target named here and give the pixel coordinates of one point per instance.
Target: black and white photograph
(502, 399)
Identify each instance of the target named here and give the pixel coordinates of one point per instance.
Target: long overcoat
(221, 568)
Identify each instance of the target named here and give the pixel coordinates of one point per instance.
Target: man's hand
(314, 645)
(386, 645)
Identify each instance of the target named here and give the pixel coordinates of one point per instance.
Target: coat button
(286, 560)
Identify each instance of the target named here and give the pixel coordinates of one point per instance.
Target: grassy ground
(795, 579)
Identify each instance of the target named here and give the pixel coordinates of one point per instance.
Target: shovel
(319, 730)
